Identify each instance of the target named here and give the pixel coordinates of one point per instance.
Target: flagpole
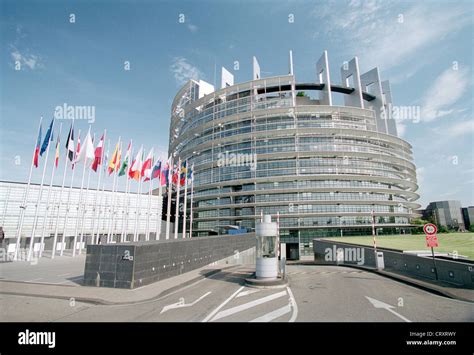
(160, 198)
(61, 194)
(176, 217)
(63, 238)
(84, 206)
(150, 189)
(80, 197)
(185, 199)
(123, 236)
(25, 198)
(191, 209)
(138, 207)
(38, 201)
(103, 196)
(96, 209)
(126, 207)
(48, 199)
(112, 207)
(168, 210)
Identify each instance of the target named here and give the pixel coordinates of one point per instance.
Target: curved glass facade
(258, 148)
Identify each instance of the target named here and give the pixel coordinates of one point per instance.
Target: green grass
(463, 243)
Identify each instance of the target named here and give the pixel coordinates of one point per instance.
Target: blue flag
(47, 138)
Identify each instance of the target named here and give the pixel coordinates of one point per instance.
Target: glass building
(285, 148)
(94, 209)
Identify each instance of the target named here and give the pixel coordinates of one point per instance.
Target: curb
(100, 301)
(400, 278)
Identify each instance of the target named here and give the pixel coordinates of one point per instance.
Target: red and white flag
(98, 154)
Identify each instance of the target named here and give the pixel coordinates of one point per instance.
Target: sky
(127, 60)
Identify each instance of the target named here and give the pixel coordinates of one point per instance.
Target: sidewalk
(107, 296)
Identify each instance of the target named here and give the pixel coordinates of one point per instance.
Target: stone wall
(458, 273)
(137, 264)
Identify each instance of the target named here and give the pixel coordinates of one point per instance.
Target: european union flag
(47, 138)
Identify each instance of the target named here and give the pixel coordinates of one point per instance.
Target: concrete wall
(137, 264)
(457, 273)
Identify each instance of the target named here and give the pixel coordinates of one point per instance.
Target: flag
(98, 154)
(56, 158)
(182, 176)
(113, 161)
(156, 171)
(165, 173)
(70, 144)
(47, 138)
(136, 167)
(190, 174)
(126, 160)
(174, 175)
(87, 150)
(37, 148)
(119, 157)
(147, 165)
(78, 149)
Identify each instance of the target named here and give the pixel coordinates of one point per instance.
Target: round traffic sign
(430, 229)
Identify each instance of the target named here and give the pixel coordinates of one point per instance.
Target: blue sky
(423, 48)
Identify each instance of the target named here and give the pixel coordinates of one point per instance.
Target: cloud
(384, 34)
(446, 90)
(401, 128)
(420, 175)
(29, 60)
(192, 28)
(460, 129)
(183, 71)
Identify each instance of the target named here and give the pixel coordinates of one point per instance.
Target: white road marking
(273, 315)
(64, 274)
(294, 305)
(246, 293)
(380, 304)
(222, 305)
(40, 278)
(181, 303)
(243, 307)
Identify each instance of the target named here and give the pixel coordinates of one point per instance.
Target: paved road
(315, 293)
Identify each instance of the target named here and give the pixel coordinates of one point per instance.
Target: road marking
(246, 293)
(245, 306)
(273, 315)
(222, 305)
(294, 305)
(64, 274)
(40, 278)
(181, 304)
(380, 304)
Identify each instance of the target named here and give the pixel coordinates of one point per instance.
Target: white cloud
(192, 28)
(183, 71)
(446, 90)
(460, 129)
(401, 128)
(383, 34)
(29, 60)
(420, 175)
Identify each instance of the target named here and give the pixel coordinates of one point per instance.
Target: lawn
(463, 243)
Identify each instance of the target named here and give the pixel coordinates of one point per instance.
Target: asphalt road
(315, 294)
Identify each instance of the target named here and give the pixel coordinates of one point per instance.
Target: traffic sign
(432, 241)
(430, 229)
